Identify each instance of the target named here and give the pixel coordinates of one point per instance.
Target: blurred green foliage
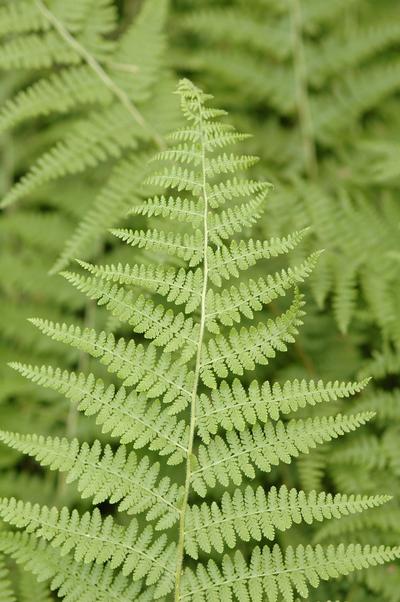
(316, 84)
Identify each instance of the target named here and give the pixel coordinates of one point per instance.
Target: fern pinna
(181, 396)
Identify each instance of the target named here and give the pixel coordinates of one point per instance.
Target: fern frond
(236, 189)
(385, 522)
(311, 469)
(244, 349)
(250, 297)
(225, 262)
(161, 325)
(104, 474)
(254, 514)
(144, 43)
(90, 23)
(94, 140)
(223, 137)
(6, 589)
(31, 590)
(133, 364)
(224, 164)
(186, 246)
(272, 573)
(58, 93)
(337, 55)
(96, 540)
(233, 220)
(229, 431)
(20, 17)
(127, 416)
(366, 450)
(33, 51)
(177, 286)
(218, 22)
(358, 94)
(74, 581)
(110, 205)
(227, 460)
(345, 295)
(233, 406)
(93, 23)
(174, 208)
(76, 35)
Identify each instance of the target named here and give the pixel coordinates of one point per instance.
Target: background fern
(347, 194)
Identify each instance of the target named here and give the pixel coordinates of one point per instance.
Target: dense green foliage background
(317, 85)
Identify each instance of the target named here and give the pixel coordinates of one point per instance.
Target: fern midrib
(196, 379)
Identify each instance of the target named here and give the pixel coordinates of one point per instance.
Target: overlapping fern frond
(113, 84)
(180, 395)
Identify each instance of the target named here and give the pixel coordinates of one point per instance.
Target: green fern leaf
(186, 247)
(20, 17)
(224, 461)
(225, 262)
(133, 364)
(270, 574)
(74, 581)
(228, 432)
(103, 474)
(97, 540)
(122, 414)
(249, 297)
(246, 348)
(232, 406)
(166, 329)
(6, 589)
(177, 286)
(254, 514)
